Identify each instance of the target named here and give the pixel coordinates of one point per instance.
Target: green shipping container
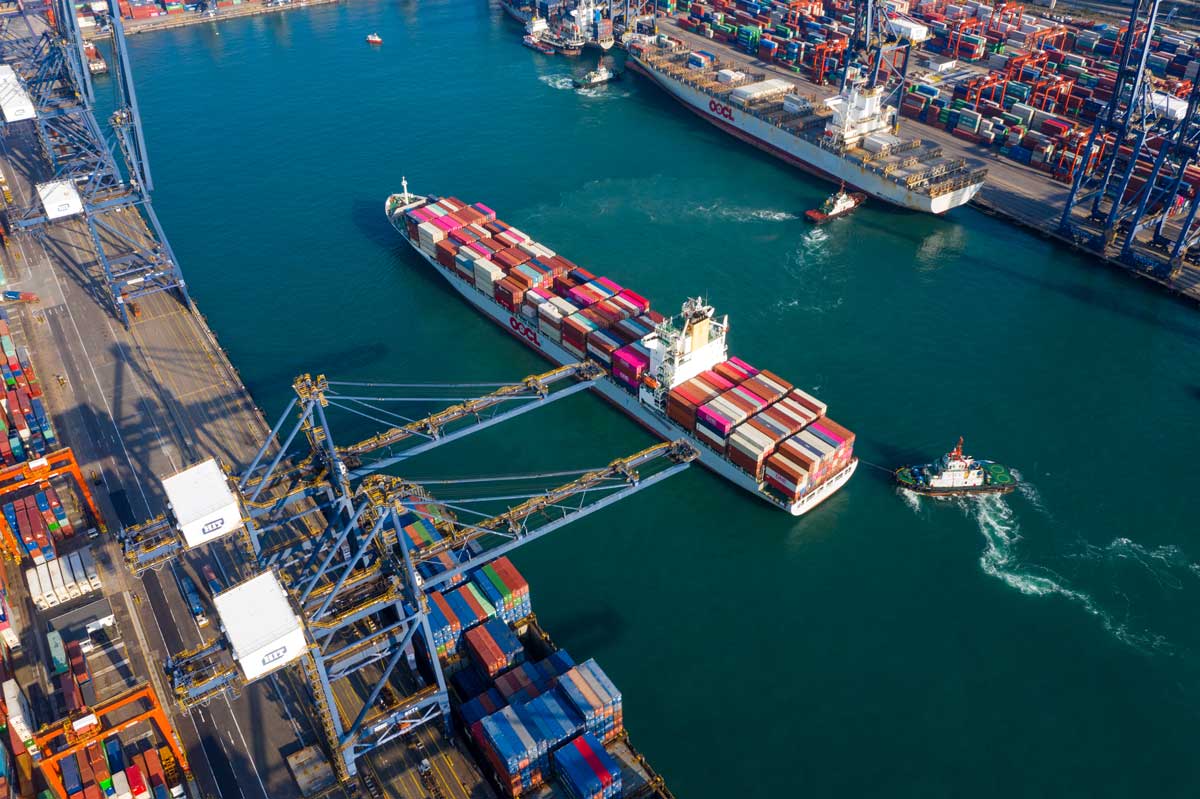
(58, 652)
(488, 608)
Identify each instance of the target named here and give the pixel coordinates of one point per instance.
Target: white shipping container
(89, 566)
(795, 104)
(760, 90)
(35, 588)
(202, 502)
(48, 592)
(262, 629)
(19, 713)
(68, 577)
(120, 786)
(730, 76)
(56, 580)
(79, 573)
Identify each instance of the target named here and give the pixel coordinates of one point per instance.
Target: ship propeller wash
(674, 375)
(848, 138)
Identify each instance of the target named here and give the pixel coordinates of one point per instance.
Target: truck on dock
(192, 597)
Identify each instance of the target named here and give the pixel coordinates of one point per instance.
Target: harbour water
(1043, 644)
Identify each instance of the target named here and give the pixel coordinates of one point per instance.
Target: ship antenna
(404, 186)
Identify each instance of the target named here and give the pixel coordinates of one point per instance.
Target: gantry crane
(1142, 153)
(884, 54)
(90, 726)
(134, 256)
(39, 472)
(324, 474)
(357, 581)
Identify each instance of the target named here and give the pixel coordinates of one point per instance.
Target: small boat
(601, 74)
(838, 204)
(374, 38)
(955, 474)
(537, 44)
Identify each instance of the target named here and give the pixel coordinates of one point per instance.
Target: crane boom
(535, 385)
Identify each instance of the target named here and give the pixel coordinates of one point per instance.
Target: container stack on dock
(1047, 79)
(40, 521)
(25, 429)
(110, 769)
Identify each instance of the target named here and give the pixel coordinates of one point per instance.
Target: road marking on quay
(141, 490)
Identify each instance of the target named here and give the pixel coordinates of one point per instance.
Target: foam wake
(734, 213)
(559, 81)
(1001, 559)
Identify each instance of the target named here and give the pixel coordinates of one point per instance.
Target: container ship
(673, 375)
(848, 138)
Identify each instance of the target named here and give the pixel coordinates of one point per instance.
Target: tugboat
(374, 38)
(956, 474)
(601, 74)
(838, 204)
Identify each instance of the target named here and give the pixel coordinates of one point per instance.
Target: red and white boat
(837, 204)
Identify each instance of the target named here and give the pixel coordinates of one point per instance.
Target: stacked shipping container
(586, 771)
(39, 521)
(25, 429)
(518, 739)
(763, 425)
(495, 590)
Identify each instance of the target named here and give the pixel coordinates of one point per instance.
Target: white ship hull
(801, 152)
(526, 331)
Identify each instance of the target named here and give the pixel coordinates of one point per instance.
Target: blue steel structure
(49, 57)
(332, 527)
(876, 46)
(1137, 141)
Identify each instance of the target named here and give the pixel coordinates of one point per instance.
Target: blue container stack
(446, 630)
(595, 697)
(467, 606)
(586, 771)
(553, 717)
(519, 756)
(483, 705)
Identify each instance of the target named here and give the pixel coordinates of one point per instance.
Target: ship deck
(912, 162)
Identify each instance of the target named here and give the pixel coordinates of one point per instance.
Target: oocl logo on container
(524, 331)
(720, 109)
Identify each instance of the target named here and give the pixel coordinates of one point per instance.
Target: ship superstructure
(850, 137)
(674, 375)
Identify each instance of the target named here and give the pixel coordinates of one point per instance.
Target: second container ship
(673, 375)
(849, 138)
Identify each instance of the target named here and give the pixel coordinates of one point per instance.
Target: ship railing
(946, 186)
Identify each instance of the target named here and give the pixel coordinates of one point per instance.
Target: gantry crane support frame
(47, 759)
(39, 472)
(313, 395)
